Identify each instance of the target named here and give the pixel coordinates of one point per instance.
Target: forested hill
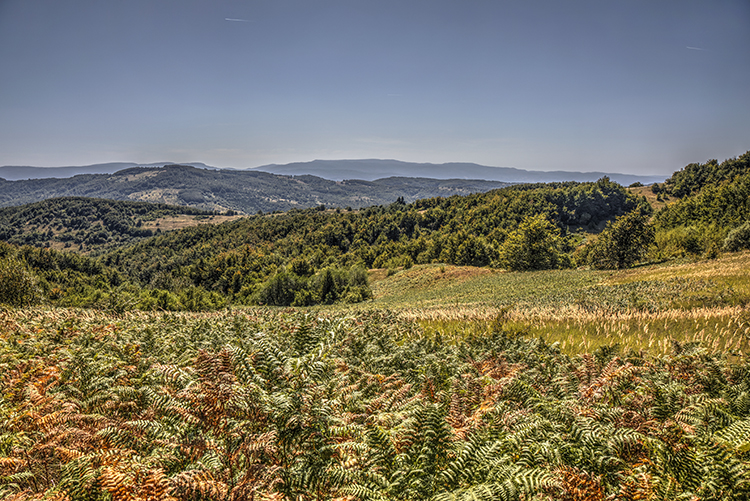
(85, 224)
(708, 208)
(692, 178)
(319, 255)
(243, 191)
(236, 258)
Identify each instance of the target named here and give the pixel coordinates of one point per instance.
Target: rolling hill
(242, 191)
(363, 169)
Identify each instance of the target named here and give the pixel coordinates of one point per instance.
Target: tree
(535, 245)
(738, 238)
(18, 286)
(623, 242)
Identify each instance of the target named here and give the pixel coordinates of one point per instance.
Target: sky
(630, 86)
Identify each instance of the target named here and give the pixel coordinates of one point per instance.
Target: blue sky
(617, 86)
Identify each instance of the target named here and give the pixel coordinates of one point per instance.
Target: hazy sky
(616, 86)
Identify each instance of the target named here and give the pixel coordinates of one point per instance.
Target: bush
(738, 238)
(622, 243)
(695, 239)
(18, 285)
(535, 245)
(282, 289)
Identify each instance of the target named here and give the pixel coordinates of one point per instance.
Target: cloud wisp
(237, 20)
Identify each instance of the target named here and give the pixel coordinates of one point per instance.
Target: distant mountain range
(372, 169)
(17, 172)
(246, 191)
(339, 170)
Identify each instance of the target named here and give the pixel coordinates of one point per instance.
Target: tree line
(320, 255)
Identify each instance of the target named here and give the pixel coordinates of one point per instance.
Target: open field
(645, 308)
(645, 191)
(169, 223)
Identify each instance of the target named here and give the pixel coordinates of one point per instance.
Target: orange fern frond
(579, 485)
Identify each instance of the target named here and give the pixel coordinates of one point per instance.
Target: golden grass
(699, 302)
(645, 191)
(718, 330)
(169, 223)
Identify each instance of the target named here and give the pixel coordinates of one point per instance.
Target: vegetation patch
(279, 404)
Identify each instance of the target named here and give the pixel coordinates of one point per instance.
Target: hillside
(242, 191)
(706, 208)
(86, 224)
(318, 255)
(310, 256)
(451, 378)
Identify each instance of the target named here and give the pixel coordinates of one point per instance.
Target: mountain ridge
(340, 170)
(26, 172)
(246, 191)
(372, 169)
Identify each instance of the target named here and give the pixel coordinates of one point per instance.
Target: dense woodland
(84, 223)
(319, 255)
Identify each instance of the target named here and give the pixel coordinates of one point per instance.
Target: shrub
(695, 239)
(281, 289)
(738, 238)
(535, 245)
(18, 285)
(622, 243)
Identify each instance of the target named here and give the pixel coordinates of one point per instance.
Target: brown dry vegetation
(645, 191)
(646, 308)
(170, 223)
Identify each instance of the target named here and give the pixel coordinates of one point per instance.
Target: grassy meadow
(645, 308)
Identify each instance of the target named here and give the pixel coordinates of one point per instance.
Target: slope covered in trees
(243, 191)
(316, 255)
(236, 258)
(711, 201)
(320, 255)
(84, 223)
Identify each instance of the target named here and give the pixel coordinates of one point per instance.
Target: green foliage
(18, 285)
(694, 177)
(738, 238)
(535, 245)
(330, 285)
(302, 257)
(715, 199)
(272, 404)
(623, 243)
(83, 223)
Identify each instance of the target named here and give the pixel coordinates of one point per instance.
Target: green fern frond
(736, 435)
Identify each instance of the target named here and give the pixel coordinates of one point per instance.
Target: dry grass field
(170, 223)
(648, 308)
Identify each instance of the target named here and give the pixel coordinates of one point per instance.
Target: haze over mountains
(246, 191)
(339, 170)
(371, 169)
(19, 172)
